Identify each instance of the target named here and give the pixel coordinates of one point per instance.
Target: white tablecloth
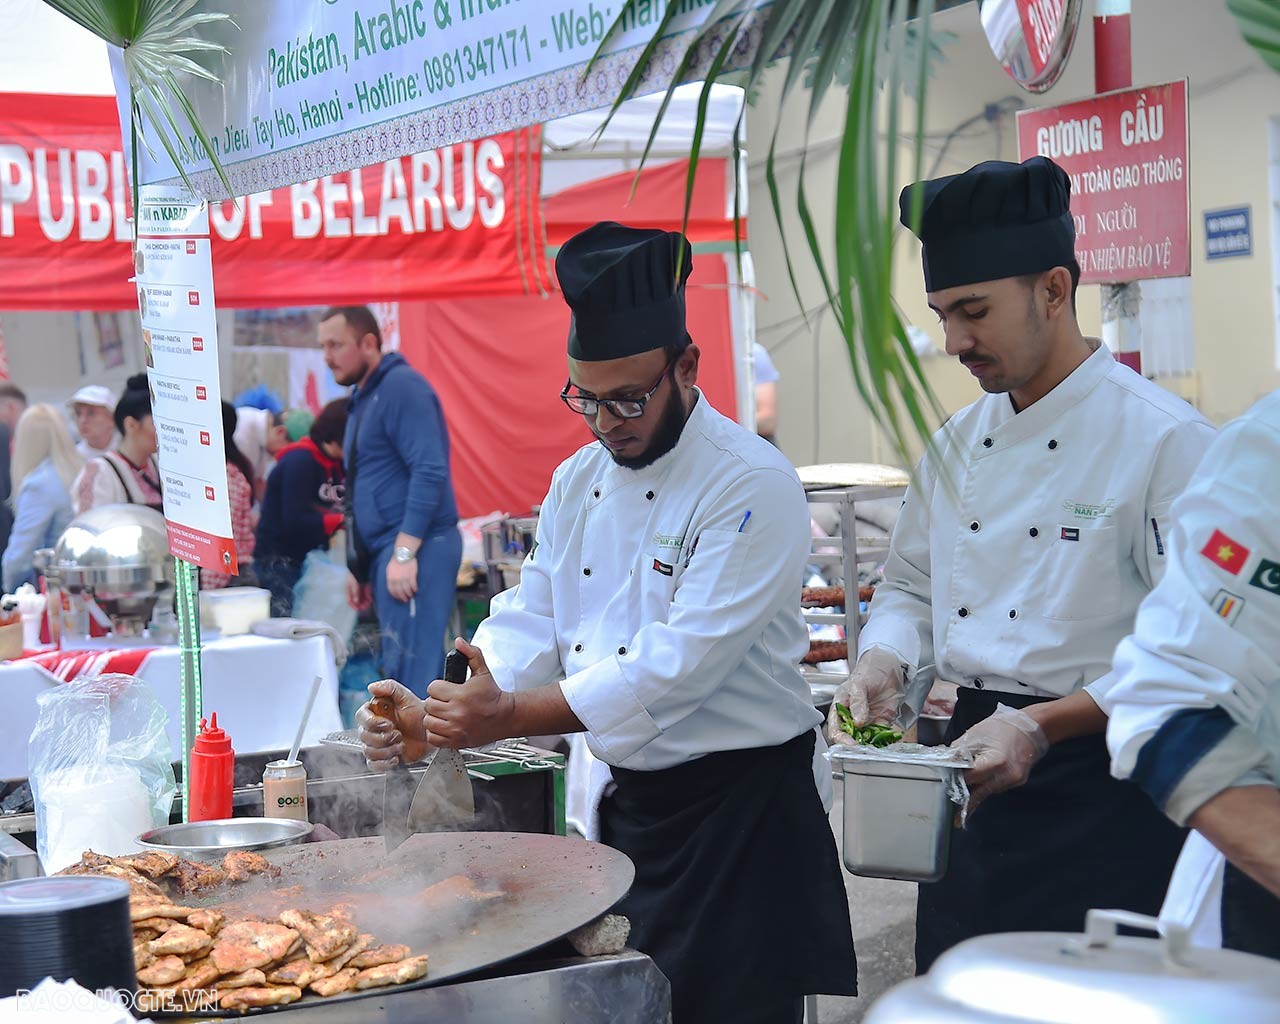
(257, 686)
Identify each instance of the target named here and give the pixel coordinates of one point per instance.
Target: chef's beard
(665, 437)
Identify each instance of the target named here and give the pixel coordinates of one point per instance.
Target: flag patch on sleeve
(1225, 553)
(1227, 606)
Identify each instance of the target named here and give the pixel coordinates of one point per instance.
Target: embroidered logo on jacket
(1226, 553)
(1267, 576)
(1070, 533)
(668, 540)
(663, 568)
(1085, 510)
(1227, 606)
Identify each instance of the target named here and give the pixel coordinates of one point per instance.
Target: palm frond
(877, 50)
(158, 38)
(1259, 22)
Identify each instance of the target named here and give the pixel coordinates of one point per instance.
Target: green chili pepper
(873, 734)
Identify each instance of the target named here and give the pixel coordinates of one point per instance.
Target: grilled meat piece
(325, 936)
(180, 940)
(207, 920)
(454, 890)
(142, 956)
(301, 972)
(245, 979)
(138, 886)
(363, 942)
(164, 971)
(380, 955)
(153, 863)
(195, 876)
(200, 974)
(260, 995)
(343, 981)
(826, 650)
(159, 925)
(248, 944)
(412, 969)
(140, 908)
(241, 865)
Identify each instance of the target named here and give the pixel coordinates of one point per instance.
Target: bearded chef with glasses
(658, 613)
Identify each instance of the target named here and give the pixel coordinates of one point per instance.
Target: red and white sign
(1041, 25)
(189, 437)
(1126, 153)
(463, 220)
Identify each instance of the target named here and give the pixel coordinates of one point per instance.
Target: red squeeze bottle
(212, 773)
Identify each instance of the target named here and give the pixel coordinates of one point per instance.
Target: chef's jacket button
(977, 684)
(1021, 683)
(586, 571)
(963, 612)
(975, 526)
(622, 650)
(648, 495)
(1013, 613)
(577, 648)
(1053, 445)
(596, 493)
(987, 442)
(1034, 532)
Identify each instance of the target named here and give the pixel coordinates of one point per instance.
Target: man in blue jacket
(396, 449)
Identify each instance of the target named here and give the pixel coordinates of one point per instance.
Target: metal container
(213, 840)
(897, 816)
(119, 556)
(1095, 978)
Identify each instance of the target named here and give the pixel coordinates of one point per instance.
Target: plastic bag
(100, 768)
(321, 593)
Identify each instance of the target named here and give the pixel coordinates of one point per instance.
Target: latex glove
(1004, 748)
(873, 693)
(386, 742)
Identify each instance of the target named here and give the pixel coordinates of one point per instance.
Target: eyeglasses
(623, 408)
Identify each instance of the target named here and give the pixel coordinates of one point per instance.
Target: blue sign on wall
(1227, 233)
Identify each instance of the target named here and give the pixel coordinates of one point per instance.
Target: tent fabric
(658, 199)
(499, 367)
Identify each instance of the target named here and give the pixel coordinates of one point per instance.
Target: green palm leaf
(1259, 22)
(158, 37)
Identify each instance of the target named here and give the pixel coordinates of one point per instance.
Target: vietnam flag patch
(1225, 553)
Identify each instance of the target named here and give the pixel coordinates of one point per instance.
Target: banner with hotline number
(180, 342)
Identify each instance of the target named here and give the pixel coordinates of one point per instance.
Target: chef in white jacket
(659, 612)
(1194, 702)
(1030, 534)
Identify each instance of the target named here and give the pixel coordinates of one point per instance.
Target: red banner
(1126, 153)
(461, 221)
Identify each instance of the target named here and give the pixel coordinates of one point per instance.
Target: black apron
(738, 896)
(1037, 857)
(1250, 915)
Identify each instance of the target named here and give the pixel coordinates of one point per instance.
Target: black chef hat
(995, 220)
(621, 284)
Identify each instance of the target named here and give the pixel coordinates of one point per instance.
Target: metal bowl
(931, 728)
(114, 547)
(212, 840)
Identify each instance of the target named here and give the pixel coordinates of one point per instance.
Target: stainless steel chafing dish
(118, 557)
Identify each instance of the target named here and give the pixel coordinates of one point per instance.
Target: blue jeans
(412, 632)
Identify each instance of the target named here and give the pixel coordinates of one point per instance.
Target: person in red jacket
(302, 506)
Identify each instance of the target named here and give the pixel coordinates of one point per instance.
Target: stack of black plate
(65, 927)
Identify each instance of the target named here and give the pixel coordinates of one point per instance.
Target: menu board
(180, 340)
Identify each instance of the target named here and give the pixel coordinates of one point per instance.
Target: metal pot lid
(1055, 978)
(114, 539)
(851, 474)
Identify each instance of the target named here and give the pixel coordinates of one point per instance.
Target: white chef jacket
(1194, 707)
(1020, 566)
(668, 600)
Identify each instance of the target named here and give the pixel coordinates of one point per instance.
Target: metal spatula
(442, 797)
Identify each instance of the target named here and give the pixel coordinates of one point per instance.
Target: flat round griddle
(536, 889)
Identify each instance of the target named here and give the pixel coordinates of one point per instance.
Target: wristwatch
(403, 555)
